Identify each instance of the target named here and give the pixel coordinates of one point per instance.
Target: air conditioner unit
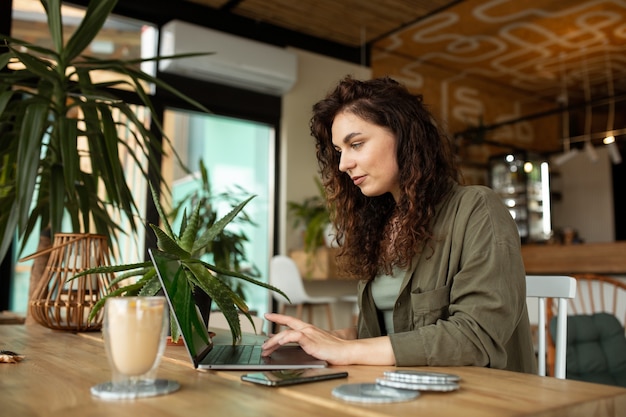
(234, 61)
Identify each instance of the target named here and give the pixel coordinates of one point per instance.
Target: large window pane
(238, 155)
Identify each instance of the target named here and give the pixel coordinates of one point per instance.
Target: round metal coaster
(110, 391)
(372, 393)
(421, 377)
(418, 386)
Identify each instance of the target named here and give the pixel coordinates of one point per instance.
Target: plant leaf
(145, 274)
(221, 294)
(28, 154)
(169, 245)
(159, 208)
(38, 67)
(95, 16)
(191, 230)
(218, 226)
(181, 297)
(55, 25)
(57, 198)
(244, 277)
(111, 269)
(68, 130)
(152, 286)
(115, 293)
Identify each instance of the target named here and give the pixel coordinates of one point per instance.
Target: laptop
(203, 353)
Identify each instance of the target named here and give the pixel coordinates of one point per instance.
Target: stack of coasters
(397, 386)
(420, 381)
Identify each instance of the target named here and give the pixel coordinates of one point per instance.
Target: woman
(442, 279)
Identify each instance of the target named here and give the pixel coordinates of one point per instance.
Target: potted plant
(226, 250)
(187, 246)
(314, 216)
(50, 101)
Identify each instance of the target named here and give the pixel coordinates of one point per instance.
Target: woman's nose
(345, 163)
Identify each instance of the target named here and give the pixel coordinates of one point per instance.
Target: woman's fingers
(284, 320)
(291, 335)
(279, 339)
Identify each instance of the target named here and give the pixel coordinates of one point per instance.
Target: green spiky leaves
(196, 275)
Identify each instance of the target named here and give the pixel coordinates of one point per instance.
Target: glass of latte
(135, 331)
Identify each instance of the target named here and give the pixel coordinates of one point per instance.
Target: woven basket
(63, 304)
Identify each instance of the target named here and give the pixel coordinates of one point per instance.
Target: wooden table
(60, 367)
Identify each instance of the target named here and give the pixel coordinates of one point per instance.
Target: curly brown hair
(427, 171)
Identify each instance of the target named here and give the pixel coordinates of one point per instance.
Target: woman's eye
(356, 145)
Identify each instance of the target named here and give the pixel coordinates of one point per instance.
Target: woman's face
(368, 155)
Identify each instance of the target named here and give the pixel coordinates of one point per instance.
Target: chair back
(595, 294)
(559, 288)
(599, 294)
(284, 274)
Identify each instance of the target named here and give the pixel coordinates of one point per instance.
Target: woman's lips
(358, 180)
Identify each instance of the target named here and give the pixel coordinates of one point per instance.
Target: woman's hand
(329, 346)
(314, 341)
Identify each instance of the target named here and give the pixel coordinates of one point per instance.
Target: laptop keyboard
(238, 354)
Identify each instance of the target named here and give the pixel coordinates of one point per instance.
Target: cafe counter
(588, 258)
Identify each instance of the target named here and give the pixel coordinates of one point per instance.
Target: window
(238, 155)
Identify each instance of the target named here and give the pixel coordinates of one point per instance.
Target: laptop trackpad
(292, 354)
(249, 357)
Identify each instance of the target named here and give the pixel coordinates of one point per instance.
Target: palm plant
(48, 104)
(187, 246)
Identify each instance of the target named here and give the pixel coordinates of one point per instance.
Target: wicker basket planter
(65, 305)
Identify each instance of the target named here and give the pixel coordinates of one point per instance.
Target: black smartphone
(282, 377)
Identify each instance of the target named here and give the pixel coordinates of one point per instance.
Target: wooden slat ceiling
(349, 22)
(531, 47)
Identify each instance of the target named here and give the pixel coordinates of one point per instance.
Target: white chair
(560, 288)
(217, 320)
(285, 276)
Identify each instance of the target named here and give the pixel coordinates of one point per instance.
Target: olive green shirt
(463, 299)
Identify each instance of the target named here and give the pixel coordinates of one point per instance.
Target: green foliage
(314, 215)
(226, 250)
(51, 101)
(48, 103)
(187, 246)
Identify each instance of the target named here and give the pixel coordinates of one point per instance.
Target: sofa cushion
(596, 348)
